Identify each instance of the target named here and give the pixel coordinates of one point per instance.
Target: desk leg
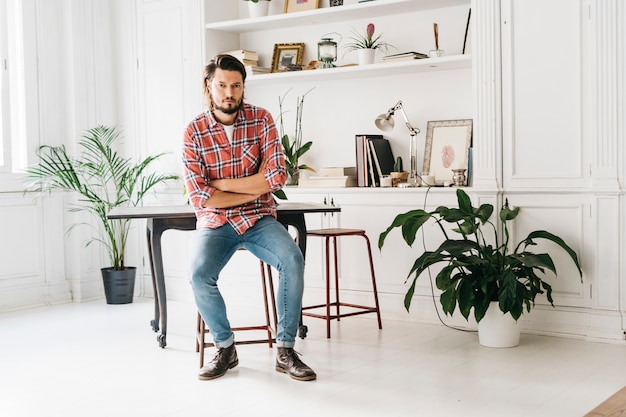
(155, 230)
(154, 323)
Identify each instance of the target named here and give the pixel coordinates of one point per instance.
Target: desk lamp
(385, 123)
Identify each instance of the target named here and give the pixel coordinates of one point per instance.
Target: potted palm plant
(104, 180)
(476, 273)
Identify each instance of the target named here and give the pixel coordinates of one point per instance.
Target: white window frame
(13, 152)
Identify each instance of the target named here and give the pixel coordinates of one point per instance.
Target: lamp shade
(384, 122)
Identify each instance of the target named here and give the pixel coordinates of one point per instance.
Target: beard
(230, 108)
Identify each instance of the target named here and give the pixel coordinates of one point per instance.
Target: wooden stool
(360, 309)
(268, 287)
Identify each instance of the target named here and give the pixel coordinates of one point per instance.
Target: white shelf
(374, 8)
(372, 70)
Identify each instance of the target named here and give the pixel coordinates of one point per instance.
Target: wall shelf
(372, 70)
(331, 14)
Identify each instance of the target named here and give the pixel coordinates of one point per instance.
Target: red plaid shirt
(208, 155)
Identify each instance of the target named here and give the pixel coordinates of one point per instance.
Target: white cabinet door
(169, 71)
(543, 77)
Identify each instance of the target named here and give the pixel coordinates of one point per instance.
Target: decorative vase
(258, 9)
(498, 330)
(458, 177)
(366, 56)
(293, 176)
(119, 286)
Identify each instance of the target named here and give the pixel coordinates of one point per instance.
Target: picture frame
(286, 54)
(447, 147)
(300, 5)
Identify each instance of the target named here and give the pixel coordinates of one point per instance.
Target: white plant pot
(259, 9)
(366, 56)
(498, 330)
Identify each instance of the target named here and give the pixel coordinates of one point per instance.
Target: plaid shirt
(208, 155)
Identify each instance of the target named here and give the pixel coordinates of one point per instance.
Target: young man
(233, 161)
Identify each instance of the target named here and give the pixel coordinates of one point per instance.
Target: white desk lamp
(385, 123)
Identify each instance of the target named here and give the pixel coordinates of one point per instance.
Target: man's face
(226, 90)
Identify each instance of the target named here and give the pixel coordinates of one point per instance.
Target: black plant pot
(119, 286)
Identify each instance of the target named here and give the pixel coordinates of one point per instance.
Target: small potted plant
(294, 149)
(367, 44)
(103, 180)
(478, 274)
(258, 8)
(398, 174)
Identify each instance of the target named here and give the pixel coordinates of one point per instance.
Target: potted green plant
(104, 180)
(294, 149)
(476, 272)
(367, 44)
(258, 8)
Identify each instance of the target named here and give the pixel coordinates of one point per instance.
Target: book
(253, 69)
(373, 177)
(242, 54)
(327, 181)
(337, 171)
(363, 175)
(381, 159)
(252, 62)
(404, 56)
(383, 155)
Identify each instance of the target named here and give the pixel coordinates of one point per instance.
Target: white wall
(90, 66)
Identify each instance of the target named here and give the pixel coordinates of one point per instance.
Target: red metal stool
(334, 233)
(269, 326)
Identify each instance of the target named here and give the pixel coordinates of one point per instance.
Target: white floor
(94, 359)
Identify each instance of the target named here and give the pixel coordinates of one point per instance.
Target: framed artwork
(300, 5)
(447, 148)
(286, 54)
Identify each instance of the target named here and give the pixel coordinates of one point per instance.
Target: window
(12, 114)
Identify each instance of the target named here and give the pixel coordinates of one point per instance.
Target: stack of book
(404, 56)
(374, 159)
(250, 59)
(329, 177)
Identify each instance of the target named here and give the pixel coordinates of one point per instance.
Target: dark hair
(224, 62)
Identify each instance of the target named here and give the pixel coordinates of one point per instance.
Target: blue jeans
(269, 241)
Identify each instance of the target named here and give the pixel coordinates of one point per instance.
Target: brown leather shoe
(288, 362)
(225, 359)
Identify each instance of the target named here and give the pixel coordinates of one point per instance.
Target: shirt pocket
(251, 157)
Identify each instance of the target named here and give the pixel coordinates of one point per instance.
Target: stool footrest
(363, 310)
(244, 342)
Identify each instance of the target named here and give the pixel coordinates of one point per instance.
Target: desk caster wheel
(161, 340)
(303, 331)
(155, 325)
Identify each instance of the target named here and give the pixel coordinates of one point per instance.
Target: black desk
(162, 218)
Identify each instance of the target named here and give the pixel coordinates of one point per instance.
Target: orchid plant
(293, 150)
(368, 41)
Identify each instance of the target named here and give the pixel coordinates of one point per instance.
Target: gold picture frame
(447, 147)
(286, 54)
(300, 5)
